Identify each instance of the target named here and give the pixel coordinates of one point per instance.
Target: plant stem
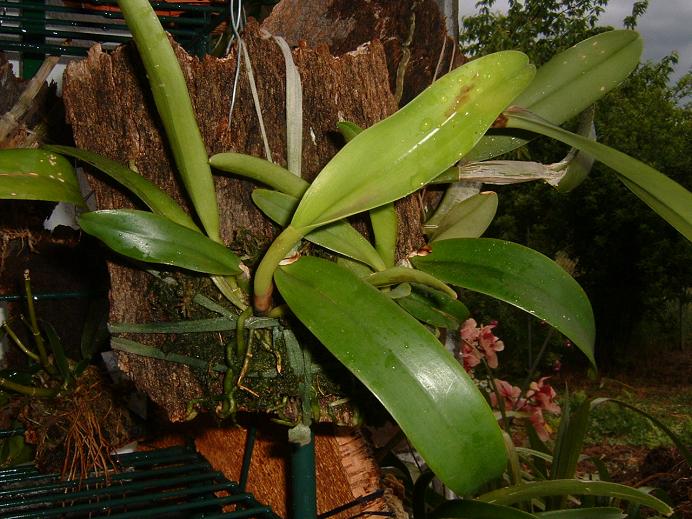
(27, 390)
(19, 343)
(265, 271)
(38, 338)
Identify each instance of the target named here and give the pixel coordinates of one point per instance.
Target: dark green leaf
(519, 276)
(424, 311)
(30, 174)
(424, 388)
(154, 239)
(149, 193)
(467, 219)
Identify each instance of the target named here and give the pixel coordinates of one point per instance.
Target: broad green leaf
(396, 275)
(30, 174)
(665, 196)
(569, 83)
(174, 106)
(468, 219)
(152, 238)
(154, 197)
(260, 170)
(469, 509)
(584, 513)
(338, 237)
(424, 388)
(405, 151)
(384, 219)
(519, 276)
(399, 291)
(562, 487)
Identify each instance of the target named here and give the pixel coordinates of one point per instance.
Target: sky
(666, 26)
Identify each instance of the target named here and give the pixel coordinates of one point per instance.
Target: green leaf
(174, 106)
(468, 219)
(260, 170)
(579, 162)
(154, 197)
(519, 276)
(405, 151)
(468, 509)
(396, 275)
(30, 174)
(665, 196)
(384, 219)
(569, 83)
(59, 357)
(153, 239)
(424, 388)
(339, 236)
(569, 441)
(584, 513)
(560, 487)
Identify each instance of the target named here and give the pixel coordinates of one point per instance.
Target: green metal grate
(174, 483)
(37, 28)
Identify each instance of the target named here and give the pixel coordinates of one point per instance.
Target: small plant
(62, 405)
(468, 117)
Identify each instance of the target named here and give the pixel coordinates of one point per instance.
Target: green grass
(615, 425)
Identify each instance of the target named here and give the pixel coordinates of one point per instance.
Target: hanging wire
(236, 22)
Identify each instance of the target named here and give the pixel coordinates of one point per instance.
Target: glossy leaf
(31, 174)
(665, 196)
(569, 441)
(468, 219)
(151, 238)
(260, 170)
(424, 388)
(338, 237)
(569, 83)
(154, 197)
(405, 151)
(174, 106)
(384, 219)
(563, 487)
(470, 509)
(519, 276)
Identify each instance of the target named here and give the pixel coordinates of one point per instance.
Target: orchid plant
(373, 314)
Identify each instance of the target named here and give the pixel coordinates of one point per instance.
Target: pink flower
(471, 357)
(543, 430)
(482, 340)
(490, 344)
(510, 395)
(542, 395)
